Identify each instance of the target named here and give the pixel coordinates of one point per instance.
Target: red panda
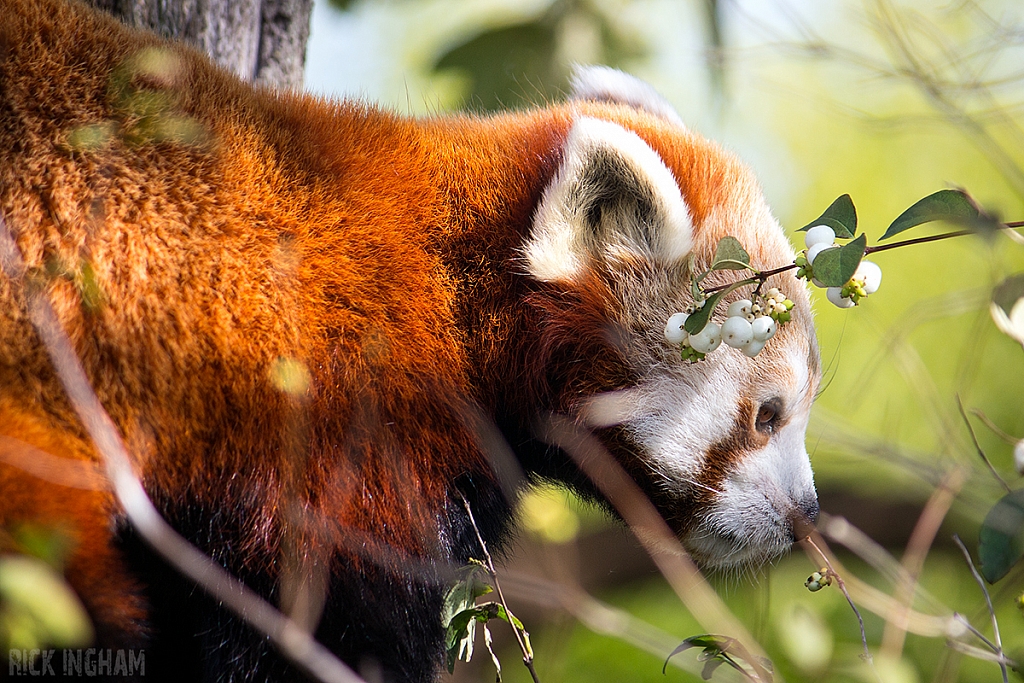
(294, 310)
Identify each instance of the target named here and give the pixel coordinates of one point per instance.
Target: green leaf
(699, 318)
(505, 615)
(465, 591)
(730, 255)
(461, 634)
(460, 612)
(718, 650)
(1001, 538)
(710, 666)
(696, 322)
(945, 205)
(834, 267)
(682, 647)
(841, 216)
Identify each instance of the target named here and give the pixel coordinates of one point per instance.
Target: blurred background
(886, 100)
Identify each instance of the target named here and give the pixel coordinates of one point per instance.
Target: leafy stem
(917, 240)
(522, 637)
(761, 276)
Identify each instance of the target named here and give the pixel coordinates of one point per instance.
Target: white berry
(674, 332)
(764, 328)
(870, 274)
(819, 234)
(835, 295)
(708, 339)
(1018, 456)
(739, 308)
(754, 346)
(812, 252)
(737, 332)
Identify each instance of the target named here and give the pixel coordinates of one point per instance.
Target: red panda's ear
(605, 84)
(612, 196)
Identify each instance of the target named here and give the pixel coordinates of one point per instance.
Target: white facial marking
(682, 412)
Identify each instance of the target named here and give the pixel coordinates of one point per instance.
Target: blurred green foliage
(808, 636)
(529, 61)
(37, 606)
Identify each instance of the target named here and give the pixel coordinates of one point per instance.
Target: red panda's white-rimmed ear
(605, 84)
(612, 196)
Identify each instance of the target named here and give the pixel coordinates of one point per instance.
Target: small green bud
(691, 354)
(818, 580)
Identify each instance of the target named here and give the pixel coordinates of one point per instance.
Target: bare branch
(988, 602)
(921, 539)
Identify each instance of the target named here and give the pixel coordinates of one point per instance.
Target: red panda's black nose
(810, 509)
(802, 519)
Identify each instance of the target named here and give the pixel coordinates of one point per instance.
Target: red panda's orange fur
(379, 252)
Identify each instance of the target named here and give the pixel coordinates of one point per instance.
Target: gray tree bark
(263, 41)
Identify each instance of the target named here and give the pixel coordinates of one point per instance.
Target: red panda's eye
(767, 416)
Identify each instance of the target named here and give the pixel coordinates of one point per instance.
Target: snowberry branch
(841, 269)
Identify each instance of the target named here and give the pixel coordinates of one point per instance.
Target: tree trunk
(263, 41)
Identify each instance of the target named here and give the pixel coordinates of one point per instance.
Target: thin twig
(527, 654)
(977, 446)
(993, 426)
(978, 653)
(988, 603)
(842, 586)
(917, 240)
(978, 634)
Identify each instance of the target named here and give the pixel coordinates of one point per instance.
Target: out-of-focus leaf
(1007, 307)
(530, 61)
(709, 668)
(502, 64)
(841, 216)
(343, 5)
(834, 267)
(1001, 537)
(945, 205)
(40, 602)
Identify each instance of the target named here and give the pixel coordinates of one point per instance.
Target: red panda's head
(639, 203)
